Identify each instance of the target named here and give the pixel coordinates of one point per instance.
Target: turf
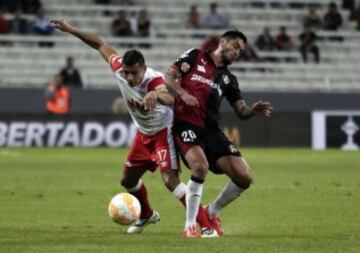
(55, 200)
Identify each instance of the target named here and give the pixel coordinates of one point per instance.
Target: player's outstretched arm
(245, 112)
(90, 39)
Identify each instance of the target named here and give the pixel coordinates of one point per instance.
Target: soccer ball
(124, 208)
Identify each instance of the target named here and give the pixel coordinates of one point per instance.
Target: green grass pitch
(55, 200)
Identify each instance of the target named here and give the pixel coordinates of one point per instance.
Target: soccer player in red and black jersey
(201, 80)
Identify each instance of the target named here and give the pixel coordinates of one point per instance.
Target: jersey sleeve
(155, 82)
(186, 61)
(233, 92)
(115, 62)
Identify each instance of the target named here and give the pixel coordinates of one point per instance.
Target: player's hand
(149, 101)
(62, 25)
(262, 107)
(189, 99)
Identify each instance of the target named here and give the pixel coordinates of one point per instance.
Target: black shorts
(212, 140)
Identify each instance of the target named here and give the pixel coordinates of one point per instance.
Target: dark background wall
(92, 101)
(281, 129)
(290, 124)
(14, 100)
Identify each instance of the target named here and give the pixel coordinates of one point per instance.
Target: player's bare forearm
(165, 98)
(243, 111)
(88, 38)
(172, 77)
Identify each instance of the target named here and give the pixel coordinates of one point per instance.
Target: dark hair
(213, 5)
(234, 34)
(132, 57)
(333, 5)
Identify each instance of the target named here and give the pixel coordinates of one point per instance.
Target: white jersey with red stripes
(147, 123)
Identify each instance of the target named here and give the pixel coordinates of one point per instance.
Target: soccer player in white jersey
(149, 104)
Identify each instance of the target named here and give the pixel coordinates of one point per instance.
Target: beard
(225, 59)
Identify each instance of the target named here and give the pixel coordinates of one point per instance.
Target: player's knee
(243, 180)
(200, 169)
(123, 182)
(246, 181)
(127, 184)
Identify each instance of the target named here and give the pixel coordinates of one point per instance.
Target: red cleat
(215, 222)
(191, 232)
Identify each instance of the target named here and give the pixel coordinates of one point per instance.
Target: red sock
(141, 195)
(201, 218)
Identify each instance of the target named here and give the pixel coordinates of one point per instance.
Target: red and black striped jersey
(209, 84)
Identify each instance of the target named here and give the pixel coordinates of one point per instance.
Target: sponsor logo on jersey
(201, 69)
(185, 67)
(226, 79)
(203, 61)
(208, 82)
(136, 106)
(232, 149)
